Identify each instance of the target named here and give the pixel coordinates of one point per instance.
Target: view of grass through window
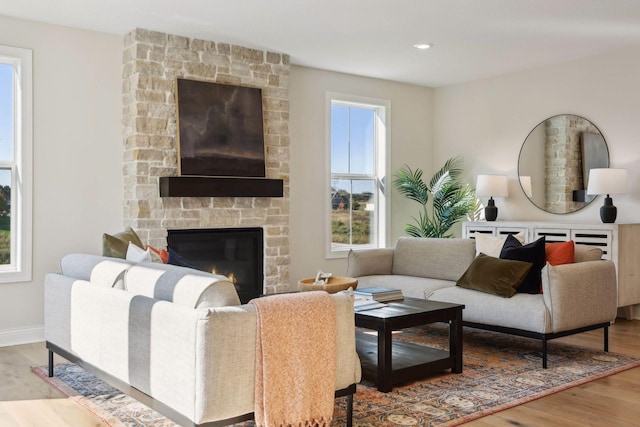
(351, 215)
(6, 158)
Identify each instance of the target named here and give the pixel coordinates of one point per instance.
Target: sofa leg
(606, 339)
(544, 353)
(50, 363)
(350, 410)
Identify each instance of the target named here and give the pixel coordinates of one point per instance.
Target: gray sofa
(576, 297)
(174, 338)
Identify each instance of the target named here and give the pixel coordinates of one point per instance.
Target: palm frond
(452, 168)
(451, 199)
(410, 184)
(421, 228)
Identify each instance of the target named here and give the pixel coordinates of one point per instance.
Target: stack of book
(379, 294)
(362, 304)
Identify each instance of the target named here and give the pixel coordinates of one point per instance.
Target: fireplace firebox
(233, 252)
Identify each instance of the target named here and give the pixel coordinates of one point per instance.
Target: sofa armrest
(225, 363)
(580, 294)
(369, 262)
(347, 360)
(226, 367)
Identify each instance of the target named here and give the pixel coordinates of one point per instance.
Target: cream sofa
(174, 338)
(576, 297)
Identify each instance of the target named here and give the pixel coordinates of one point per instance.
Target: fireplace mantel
(213, 186)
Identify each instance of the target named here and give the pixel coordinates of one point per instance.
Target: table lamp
(607, 181)
(491, 186)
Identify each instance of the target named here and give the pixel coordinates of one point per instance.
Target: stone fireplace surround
(151, 63)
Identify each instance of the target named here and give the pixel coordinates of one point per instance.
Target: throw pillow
(116, 245)
(162, 254)
(490, 245)
(560, 253)
(533, 253)
(494, 276)
(137, 255)
(176, 259)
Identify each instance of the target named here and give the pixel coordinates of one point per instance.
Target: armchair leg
(50, 363)
(544, 353)
(606, 339)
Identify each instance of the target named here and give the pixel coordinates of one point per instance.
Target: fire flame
(232, 278)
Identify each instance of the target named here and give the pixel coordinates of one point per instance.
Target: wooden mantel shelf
(219, 186)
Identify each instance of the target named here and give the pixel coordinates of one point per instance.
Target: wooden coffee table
(387, 362)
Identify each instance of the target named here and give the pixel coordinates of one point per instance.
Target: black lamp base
(608, 212)
(491, 210)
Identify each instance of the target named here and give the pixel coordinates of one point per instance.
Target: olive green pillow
(116, 245)
(495, 276)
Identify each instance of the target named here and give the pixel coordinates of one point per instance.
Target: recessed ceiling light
(423, 46)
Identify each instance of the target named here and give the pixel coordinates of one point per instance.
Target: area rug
(500, 371)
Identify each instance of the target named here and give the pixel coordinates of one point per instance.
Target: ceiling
(472, 39)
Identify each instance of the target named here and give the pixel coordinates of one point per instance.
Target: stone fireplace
(152, 62)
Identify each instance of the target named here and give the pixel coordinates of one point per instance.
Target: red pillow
(560, 253)
(162, 253)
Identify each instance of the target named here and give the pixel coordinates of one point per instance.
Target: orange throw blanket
(295, 360)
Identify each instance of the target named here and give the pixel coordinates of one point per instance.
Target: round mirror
(555, 159)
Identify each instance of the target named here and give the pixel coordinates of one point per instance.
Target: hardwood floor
(610, 401)
(26, 401)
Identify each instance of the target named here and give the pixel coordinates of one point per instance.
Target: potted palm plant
(451, 199)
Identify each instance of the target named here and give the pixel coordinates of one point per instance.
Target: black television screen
(220, 129)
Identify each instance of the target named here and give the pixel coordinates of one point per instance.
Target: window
(15, 164)
(358, 145)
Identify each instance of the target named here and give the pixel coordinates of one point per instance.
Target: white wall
(488, 120)
(411, 143)
(77, 157)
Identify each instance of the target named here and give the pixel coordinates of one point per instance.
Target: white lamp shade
(607, 181)
(492, 186)
(525, 182)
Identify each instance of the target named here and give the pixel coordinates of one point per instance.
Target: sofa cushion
(587, 253)
(184, 286)
(492, 245)
(559, 253)
(411, 286)
(436, 258)
(521, 311)
(495, 276)
(533, 253)
(369, 262)
(116, 245)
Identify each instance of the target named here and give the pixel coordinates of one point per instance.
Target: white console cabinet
(620, 243)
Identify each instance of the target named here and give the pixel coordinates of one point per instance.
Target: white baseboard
(9, 337)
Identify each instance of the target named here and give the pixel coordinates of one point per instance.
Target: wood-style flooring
(27, 401)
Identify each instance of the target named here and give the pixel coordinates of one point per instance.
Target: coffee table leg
(455, 342)
(384, 378)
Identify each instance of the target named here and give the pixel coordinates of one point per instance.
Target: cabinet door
(600, 238)
(552, 234)
(469, 231)
(505, 231)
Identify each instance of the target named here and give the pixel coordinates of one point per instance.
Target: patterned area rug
(500, 372)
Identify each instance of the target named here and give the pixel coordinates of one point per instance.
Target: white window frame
(20, 269)
(382, 165)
